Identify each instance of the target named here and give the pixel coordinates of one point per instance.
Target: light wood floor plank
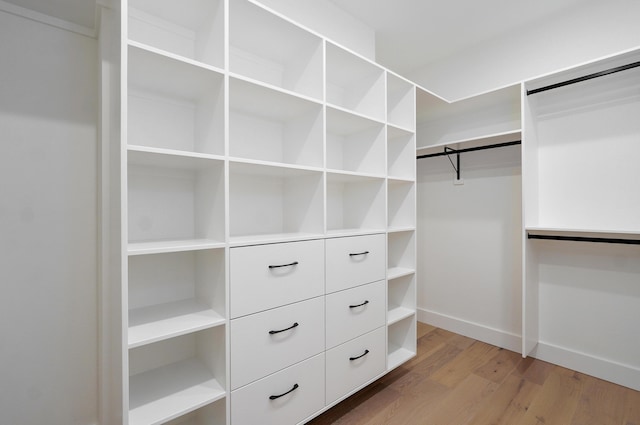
(557, 402)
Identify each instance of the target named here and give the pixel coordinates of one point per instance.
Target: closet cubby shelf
(401, 341)
(165, 393)
(136, 150)
(159, 247)
(191, 28)
(280, 54)
(172, 104)
(400, 102)
(274, 126)
(175, 57)
(397, 272)
(397, 356)
(401, 150)
(398, 313)
(158, 322)
(271, 87)
(585, 233)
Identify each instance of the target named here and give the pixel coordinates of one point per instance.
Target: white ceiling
(411, 34)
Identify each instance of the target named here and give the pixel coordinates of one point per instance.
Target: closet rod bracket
(456, 167)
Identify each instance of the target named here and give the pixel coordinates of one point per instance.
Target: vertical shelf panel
(193, 29)
(354, 143)
(174, 198)
(273, 202)
(269, 49)
(355, 84)
(355, 204)
(273, 126)
(174, 105)
(401, 103)
(401, 153)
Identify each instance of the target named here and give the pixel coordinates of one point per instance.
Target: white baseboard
(473, 330)
(606, 369)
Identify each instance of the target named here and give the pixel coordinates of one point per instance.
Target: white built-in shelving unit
(241, 149)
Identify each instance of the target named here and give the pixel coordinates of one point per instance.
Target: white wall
(469, 245)
(48, 267)
(329, 20)
(596, 29)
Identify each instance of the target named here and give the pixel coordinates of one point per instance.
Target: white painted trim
(609, 370)
(47, 20)
(473, 330)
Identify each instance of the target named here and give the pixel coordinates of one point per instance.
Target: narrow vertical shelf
(355, 204)
(401, 340)
(401, 103)
(268, 203)
(174, 105)
(176, 376)
(354, 83)
(354, 143)
(401, 298)
(401, 253)
(173, 294)
(279, 53)
(401, 202)
(211, 414)
(193, 29)
(174, 201)
(270, 125)
(401, 153)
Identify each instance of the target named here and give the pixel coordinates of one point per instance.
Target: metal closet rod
(449, 151)
(584, 78)
(585, 239)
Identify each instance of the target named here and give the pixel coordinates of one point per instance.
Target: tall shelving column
(175, 214)
(401, 219)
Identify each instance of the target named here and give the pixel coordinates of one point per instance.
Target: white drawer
(266, 342)
(252, 404)
(268, 276)
(355, 311)
(353, 261)
(346, 370)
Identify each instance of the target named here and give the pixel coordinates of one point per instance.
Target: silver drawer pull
(359, 305)
(360, 356)
(295, 263)
(273, 397)
(284, 330)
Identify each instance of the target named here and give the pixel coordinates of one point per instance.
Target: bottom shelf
(397, 356)
(162, 394)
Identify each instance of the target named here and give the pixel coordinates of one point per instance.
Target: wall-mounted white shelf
(267, 202)
(173, 104)
(279, 53)
(176, 376)
(174, 199)
(401, 151)
(271, 125)
(174, 294)
(440, 123)
(397, 272)
(354, 143)
(355, 204)
(193, 29)
(354, 83)
(474, 142)
(401, 103)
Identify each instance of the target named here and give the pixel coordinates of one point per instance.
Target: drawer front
(355, 261)
(348, 318)
(344, 375)
(266, 342)
(268, 276)
(252, 404)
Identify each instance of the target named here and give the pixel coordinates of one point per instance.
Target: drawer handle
(273, 397)
(360, 356)
(359, 305)
(359, 253)
(284, 330)
(295, 263)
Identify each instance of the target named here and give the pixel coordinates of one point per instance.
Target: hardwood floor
(455, 380)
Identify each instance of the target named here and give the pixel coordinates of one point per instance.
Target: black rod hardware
(360, 356)
(585, 239)
(359, 253)
(274, 397)
(295, 325)
(295, 263)
(584, 78)
(359, 305)
(448, 151)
